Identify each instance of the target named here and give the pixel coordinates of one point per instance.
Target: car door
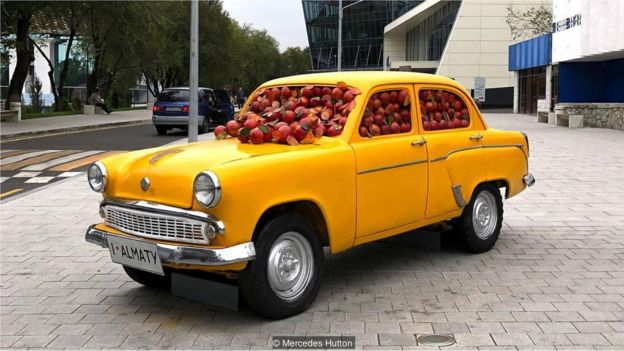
(203, 101)
(453, 133)
(223, 103)
(391, 168)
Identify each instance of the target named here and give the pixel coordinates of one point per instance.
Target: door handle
(419, 142)
(476, 137)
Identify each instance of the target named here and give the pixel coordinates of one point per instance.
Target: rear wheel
(482, 219)
(205, 126)
(286, 275)
(148, 279)
(161, 130)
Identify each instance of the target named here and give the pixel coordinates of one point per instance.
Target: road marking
(58, 161)
(22, 157)
(39, 180)
(33, 160)
(26, 174)
(2, 179)
(10, 192)
(9, 153)
(78, 163)
(69, 174)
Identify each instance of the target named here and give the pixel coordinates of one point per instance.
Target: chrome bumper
(528, 179)
(176, 254)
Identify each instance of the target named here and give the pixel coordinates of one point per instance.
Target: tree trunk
(50, 72)
(62, 105)
(25, 55)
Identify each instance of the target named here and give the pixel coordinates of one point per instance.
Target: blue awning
(535, 52)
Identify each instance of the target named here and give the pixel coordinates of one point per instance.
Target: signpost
(479, 89)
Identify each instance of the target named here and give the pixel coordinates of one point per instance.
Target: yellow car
(367, 155)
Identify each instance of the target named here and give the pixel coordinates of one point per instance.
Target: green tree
(294, 61)
(16, 21)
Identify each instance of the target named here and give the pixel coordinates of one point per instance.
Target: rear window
(222, 96)
(174, 95)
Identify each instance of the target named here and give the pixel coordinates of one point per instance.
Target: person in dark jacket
(240, 98)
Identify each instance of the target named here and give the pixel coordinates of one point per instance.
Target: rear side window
(222, 96)
(174, 95)
(442, 109)
(387, 112)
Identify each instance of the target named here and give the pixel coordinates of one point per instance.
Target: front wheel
(482, 219)
(286, 275)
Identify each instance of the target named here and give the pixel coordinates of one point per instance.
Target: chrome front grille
(155, 225)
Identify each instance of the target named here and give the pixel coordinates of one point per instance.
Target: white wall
(479, 43)
(41, 71)
(601, 30)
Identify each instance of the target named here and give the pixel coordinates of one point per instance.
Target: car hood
(171, 170)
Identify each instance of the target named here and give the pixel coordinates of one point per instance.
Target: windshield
(174, 95)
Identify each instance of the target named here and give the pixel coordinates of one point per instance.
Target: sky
(283, 19)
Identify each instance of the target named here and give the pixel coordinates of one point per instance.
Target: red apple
(256, 136)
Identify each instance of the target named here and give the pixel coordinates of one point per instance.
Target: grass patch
(49, 114)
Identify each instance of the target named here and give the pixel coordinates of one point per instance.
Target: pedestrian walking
(240, 97)
(96, 99)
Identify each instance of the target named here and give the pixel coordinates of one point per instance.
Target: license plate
(174, 109)
(135, 254)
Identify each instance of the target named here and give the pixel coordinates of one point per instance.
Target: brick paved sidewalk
(555, 279)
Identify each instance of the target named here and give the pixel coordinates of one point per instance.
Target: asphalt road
(120, 138)
(31, 163)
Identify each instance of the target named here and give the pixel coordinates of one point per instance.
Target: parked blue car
(171, 109)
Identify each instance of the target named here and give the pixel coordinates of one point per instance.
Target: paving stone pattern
(555, 279)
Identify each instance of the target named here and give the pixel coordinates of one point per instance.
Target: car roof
(364, 79)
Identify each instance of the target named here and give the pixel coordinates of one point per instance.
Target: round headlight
(207, 189)
(97, 177)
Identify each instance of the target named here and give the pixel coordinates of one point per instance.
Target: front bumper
(528, 179)
(187, 255)
(174, 120)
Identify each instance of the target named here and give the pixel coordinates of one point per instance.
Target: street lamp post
(339, 66)
(340, 9)
(193, 119)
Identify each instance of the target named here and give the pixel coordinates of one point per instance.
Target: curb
(9, 137)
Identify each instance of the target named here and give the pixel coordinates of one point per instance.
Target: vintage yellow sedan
(372, 155)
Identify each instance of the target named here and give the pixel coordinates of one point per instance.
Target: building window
(362, 31)
(427, 40)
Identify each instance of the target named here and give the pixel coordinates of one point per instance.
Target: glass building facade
(362, 31)
(427, 40)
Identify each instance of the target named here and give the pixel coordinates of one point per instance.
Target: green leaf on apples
(244, 131)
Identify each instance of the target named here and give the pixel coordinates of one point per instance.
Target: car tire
(481, 220)
(161, 130)
(286, 275)
(148, 279)
(205, 126)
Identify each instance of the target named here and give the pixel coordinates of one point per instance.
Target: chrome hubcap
(484, 215)
(290, 266)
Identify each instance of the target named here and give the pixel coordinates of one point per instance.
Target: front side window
(387, 112)
(443, 109)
